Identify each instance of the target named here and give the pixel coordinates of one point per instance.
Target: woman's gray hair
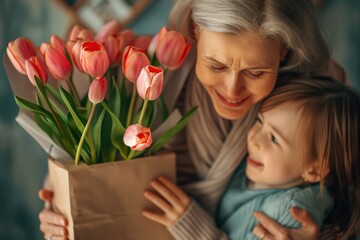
(293, 22)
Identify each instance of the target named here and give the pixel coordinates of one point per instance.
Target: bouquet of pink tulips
(125, 80)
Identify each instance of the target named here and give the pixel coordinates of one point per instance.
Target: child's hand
(172, 201)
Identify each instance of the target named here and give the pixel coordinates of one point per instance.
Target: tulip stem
(92, 147)
(78, 151)
(74, 92)
(132, 104)
(143, 111)
(131, 155)
(45, 97)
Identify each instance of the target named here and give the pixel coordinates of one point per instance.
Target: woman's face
(236, 70)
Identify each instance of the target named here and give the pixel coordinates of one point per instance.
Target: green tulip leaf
(124, 101)
(114, 100)
(164, 109)
(117, 132)
(29, 106)
(71, 106)
(54, 93)
(107, 151)
(97, 131)
(44, 125)
(171, 132)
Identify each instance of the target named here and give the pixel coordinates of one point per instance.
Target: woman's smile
(231, 103)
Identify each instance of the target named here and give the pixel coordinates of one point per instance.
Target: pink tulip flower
(114, 46)
(109, 29)
(75, 54)
(57, 63)
(129, 37)
(149, 85)
(18, 51)
(137, 137)
(80, 33)
(35, 67)
(151, 49)
(57, 42)
(172, 48)
(97, 90)
(134, 59)
(93, 58)
(142, 42)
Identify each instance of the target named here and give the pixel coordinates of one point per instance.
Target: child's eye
(274, 140)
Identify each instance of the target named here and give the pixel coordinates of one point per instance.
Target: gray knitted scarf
(216, 145)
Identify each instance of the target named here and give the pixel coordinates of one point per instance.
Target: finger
(57, 238)
(45, 195)
(278, 231)
(260, 232)
(53, 230)
(156, 217)
(302, 216)
(166, 193)
(176, 190)
(158, 201)
(47, 216)
(308, 224)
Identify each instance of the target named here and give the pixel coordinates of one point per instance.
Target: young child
(303, 152)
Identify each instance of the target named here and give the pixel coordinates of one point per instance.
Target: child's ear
(312, 173)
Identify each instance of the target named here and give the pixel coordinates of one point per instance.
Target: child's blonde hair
(329, 129)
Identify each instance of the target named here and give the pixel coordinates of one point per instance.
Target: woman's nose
(234, 84)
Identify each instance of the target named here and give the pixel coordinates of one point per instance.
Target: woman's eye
(217, 68)
(274, 140)
(255, 74)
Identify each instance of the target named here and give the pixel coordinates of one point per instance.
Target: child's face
(274, 152)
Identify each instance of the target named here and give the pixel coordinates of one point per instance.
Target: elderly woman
(240, 48)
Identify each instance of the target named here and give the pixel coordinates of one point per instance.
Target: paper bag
(104, 201)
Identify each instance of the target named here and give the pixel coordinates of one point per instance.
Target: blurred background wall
(23, 163)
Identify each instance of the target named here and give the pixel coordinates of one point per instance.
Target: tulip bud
(153, 45)
(114, 48)
(18, 51)
(129, 37)
(109, 29)
(142, 42)
(75, 53)
(172, 48)
(93, 58)
(57, 42)
(80, 33)
(149, 85)
(134, 59)
(42, 49)
(35, 67)
(137, 137)
(97, 90)
(58, 63)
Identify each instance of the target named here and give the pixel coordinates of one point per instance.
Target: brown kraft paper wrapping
(104, 201)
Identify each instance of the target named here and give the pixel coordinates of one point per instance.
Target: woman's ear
(312, 173)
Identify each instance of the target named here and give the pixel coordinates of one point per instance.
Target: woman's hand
(52, 225)
(268, 229)
(172, 201)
